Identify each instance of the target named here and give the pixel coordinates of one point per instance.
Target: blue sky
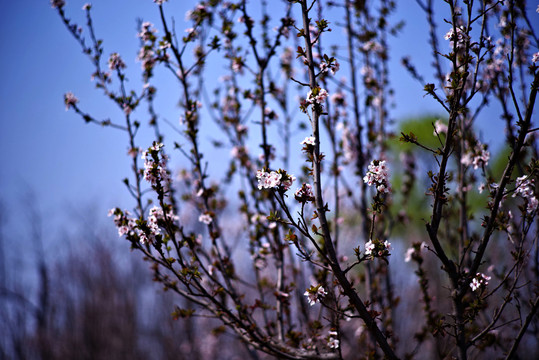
(69, 164)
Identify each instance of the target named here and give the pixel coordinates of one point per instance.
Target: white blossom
(333, 342)
(479, 280)
(205, 218)
(309, 140)
(314, 294)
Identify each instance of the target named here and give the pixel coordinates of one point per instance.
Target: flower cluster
(304, 194)
(145, 231)
(147, 31)
(150, 53)
(205, 218)
(333, 342)
(461, 37)
(478, 156)
(147, 57)
(378, 175)
(330, 64)
(116, 62)
(314, 294)
(373, 46)
(479, 280)
(70, 100)
(237, 65)
(155, 166)
(525, 188)
(309, 140)
(274, 179)
(316, 96)
(123, 222)
(197, 14)
(377, 248)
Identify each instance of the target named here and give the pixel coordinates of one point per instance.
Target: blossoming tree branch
(299, 250)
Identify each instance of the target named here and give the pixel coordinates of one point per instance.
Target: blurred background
(67, 282)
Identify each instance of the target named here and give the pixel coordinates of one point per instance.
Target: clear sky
(69, 164)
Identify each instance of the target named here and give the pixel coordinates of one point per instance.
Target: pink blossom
(304, 194)
(287, 182)
(146, 231)
(378, 175)
(332, 66)
(525, 188)
(274, 179)
(147, 56)
(70, 100)
(116, 62)
(147, 31)
(335, 67)
(478, 156)
(268, 180)
(155, 165)
(372, 45)
(237, 65)
(317, 96)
